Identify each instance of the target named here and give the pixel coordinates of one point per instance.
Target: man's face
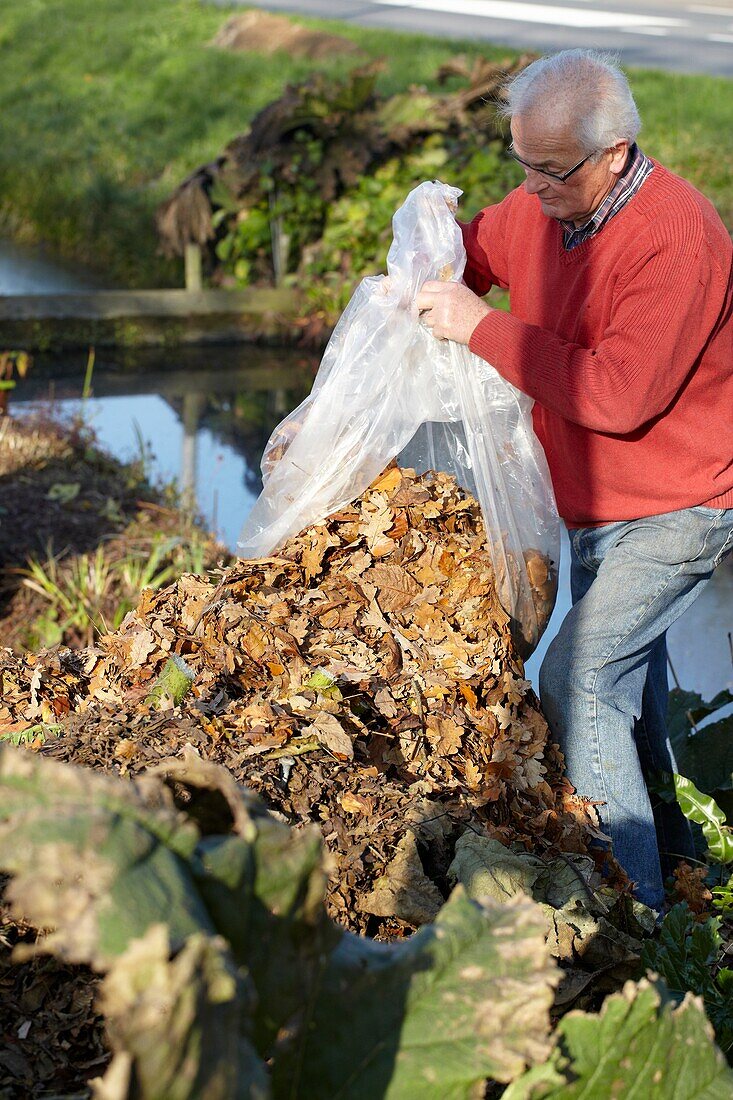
(557, 150)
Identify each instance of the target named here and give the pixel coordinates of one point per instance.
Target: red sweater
(625, 343)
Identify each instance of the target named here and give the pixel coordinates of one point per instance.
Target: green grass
(105, 105)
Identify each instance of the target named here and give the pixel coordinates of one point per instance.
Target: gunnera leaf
(91, 859)
(640, 1044)
(178, 1025)
(465, 998)
(266, 895)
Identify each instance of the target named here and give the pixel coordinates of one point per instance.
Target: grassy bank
(82, 534)
(104, 110)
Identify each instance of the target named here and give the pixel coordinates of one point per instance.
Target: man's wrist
(480, 323)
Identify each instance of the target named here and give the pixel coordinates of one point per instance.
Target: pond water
(28, 269)
(201, 416)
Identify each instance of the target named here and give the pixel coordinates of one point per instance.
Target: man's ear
(619, 153)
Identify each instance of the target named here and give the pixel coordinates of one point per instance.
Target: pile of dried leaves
(365, 679)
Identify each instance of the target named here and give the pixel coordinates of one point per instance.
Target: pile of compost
(364, 678)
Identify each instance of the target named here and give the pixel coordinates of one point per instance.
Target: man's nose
(533, 182)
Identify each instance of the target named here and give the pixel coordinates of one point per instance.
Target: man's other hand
(450, 310)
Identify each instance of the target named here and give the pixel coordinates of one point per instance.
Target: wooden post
(280, 242)
(192, 260)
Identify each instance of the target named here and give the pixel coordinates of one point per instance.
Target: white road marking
(709, 9)
(644, 30)
(539, 13)
(720, 37)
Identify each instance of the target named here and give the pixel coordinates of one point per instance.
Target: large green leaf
(640, 1045)
(704, 810)
(32, 782)
(267, 897)
(264, 888)
(704, 755)
(579, 919)
(463, 999)
(684, 954)
(177, 1025)
(93, 859)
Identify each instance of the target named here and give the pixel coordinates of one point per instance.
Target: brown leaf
(396, 588)
(332, 736)
(320, 541)
(354, 803)
(143, 644)
(404, 890)
(387, 482)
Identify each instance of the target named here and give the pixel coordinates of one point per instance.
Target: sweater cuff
(492, 339)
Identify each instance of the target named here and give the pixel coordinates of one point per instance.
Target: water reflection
(203, 423)
(27, 269)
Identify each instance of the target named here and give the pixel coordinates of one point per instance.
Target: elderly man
(621, 329)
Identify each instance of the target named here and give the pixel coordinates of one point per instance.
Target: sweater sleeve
(485, 244)
(659, 324)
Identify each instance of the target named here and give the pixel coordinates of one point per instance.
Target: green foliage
(703, 809)
(11, 363)
(32, 735)
(723, 898)
(323, 169)
(358, 226)
(639, 1045)
(100, 116)
(81, 590)
(686, 955)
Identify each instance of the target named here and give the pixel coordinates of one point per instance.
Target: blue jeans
(603, 682)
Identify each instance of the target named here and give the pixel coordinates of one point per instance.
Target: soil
(264, 33)
(51, 1035)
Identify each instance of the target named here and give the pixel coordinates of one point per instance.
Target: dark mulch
(51, 1036)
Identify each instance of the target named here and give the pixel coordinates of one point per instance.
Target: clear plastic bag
(387, 388)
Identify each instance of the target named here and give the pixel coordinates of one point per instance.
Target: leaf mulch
(365, 678)
(51, 1033)
(58, 490)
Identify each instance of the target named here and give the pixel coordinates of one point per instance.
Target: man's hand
(450, 310)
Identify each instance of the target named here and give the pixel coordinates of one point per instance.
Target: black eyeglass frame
(560, 177)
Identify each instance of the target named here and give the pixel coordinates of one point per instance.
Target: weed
(89, 594)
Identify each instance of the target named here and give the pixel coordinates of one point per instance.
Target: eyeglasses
(560, 177)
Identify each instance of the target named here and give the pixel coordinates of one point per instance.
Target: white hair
(583, 89)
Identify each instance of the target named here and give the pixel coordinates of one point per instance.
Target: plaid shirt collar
(636, 171)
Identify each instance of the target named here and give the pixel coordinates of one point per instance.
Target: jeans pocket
(725, 549)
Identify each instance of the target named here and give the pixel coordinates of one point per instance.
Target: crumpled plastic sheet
(387, 388)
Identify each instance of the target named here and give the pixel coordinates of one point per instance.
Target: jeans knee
(555, 687)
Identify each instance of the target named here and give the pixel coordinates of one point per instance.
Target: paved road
(670, 34)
